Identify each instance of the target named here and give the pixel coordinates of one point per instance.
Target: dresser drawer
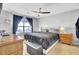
(65, 37)
(19, 52)
(10, 48)
(1, 50)
(66, 40)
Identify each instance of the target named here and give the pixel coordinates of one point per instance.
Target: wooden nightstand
(66, 38)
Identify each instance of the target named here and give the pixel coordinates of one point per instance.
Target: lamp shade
(61, 29)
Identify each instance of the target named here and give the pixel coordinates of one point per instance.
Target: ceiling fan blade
(35, 11)
(41, 12)
(45, 12)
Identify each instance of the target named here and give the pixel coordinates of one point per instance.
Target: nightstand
(66, 38)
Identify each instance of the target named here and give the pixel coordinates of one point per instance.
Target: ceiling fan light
(40, 14)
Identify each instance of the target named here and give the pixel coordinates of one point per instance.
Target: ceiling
(27, 8)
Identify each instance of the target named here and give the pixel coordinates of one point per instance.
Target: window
(23, 27)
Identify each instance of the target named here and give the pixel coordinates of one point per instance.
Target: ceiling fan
(41, 12)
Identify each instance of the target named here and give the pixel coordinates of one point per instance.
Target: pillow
(54, 30)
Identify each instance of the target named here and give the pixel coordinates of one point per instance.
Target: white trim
(46, 51)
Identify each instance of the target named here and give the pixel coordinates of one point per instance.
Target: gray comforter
(44, 38)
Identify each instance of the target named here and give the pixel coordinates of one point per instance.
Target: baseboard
(46, 51)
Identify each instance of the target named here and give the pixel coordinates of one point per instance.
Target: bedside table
(66, 38)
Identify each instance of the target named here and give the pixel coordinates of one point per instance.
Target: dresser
(11, 45)
(66, 38)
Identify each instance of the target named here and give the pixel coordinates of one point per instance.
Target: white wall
(67, 19)
(5, 15)
(6, 25)
(35, 24)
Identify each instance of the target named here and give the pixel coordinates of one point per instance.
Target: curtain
(16, 20)
(30, 20)
(77, 28)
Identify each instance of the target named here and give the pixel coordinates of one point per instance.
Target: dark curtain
(1, 5)
(16, 20)
(30, 20)
(77, 28)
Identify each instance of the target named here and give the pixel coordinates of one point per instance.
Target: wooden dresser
(66, 38)
(11, 45)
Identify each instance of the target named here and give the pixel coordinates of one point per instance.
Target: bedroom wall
(35, 24)
(7, 25)
(66, 19)
(6, 21)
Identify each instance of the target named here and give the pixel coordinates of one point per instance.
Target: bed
(46, 39)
